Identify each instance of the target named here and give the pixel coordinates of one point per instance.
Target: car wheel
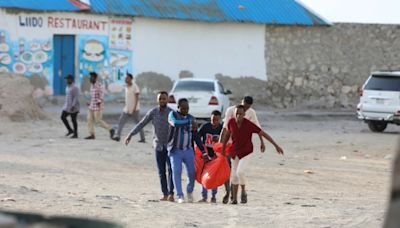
(377, 126)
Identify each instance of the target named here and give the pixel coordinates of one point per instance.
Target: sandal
(234, 202)
(243, 198)
(225, 199)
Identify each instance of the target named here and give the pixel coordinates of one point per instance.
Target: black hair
(129, 75)
(182, 100)
(163, 93)
(248, 100)
(240, 107)
(216, 113)
(94, 74)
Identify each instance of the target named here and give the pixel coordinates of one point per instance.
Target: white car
(204, 96)
(380, 100)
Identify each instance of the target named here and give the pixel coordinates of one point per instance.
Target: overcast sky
(361, 11)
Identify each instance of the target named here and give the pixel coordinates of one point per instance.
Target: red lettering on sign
(50, 22)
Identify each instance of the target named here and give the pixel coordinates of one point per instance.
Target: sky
(356, 11)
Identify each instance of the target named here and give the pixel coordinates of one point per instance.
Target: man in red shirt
(241, 131)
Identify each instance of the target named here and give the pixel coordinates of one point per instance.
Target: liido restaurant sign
(56, 22)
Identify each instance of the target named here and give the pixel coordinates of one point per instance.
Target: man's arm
(269, 138)
(227, 136)
(254, 119)
(136, 101)
(75, 99)
(143, 122)
(177, 123)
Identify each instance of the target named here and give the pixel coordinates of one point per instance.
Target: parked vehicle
(204, 96)
(380, 100)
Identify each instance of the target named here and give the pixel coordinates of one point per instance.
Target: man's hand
(206, 158)
(262, 147)
(194, 126)
(127, 140)
(279, 150)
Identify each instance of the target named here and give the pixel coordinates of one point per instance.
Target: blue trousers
(167, 186)
(178, 157)
(204, 192)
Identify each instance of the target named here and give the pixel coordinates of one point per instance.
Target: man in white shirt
(251, 115)
(132, 107)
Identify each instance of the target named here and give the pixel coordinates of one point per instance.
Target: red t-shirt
(241, 137)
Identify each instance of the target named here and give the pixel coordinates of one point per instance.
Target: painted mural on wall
(110, 64)
(31, 58)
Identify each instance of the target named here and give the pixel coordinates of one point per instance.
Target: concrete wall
(322, 67)
(170, 46)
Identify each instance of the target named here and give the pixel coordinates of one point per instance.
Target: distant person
(251, 115)
(132, 107)
(159, 118)
(95, 111)
(71, 107)
(182, 132)
(241, 130)
(209, 134)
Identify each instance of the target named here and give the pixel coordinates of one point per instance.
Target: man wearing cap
(71, 106)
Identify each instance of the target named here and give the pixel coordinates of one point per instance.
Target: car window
(194, 86)
(382, 82)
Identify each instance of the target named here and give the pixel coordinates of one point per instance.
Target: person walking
(159, 118)
(131, 109)
(251, 115)
(95, 111)
(182, 131)
(209, 134)
(240, 130)
(71, 107)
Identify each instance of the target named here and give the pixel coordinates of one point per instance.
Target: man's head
(183, 106)
(128, 78)
(70, 79)
(239, 112)
(215, 117)
(247, 101)
(162, 99)
(93, 77)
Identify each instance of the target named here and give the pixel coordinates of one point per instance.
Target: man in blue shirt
(159, 117)
(182, 131)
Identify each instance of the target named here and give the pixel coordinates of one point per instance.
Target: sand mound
(16, 101)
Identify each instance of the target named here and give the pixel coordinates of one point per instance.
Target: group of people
(175, 132)
(95, 107)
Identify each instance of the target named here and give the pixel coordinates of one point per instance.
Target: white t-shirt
(130, 98)
(250, 114)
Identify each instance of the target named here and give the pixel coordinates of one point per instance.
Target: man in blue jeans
(159, 117)
(182, 131)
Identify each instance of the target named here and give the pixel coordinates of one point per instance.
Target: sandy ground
(43, 171)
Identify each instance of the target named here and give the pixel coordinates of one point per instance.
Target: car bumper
(378, 116)
(200, 112)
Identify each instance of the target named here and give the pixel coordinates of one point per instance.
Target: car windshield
(194, 86)
(384, 82)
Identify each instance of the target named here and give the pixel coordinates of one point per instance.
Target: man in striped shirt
(95, 111)
(182, 131)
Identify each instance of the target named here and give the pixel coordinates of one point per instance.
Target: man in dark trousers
(71, 106)
(159, 118)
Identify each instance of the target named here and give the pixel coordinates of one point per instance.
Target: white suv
(380, 100)
(204, 96)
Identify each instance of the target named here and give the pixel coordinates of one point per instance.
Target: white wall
(205, 49)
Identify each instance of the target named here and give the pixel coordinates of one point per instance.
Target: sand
(336, 173)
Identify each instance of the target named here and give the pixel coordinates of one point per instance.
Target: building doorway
(64, 61)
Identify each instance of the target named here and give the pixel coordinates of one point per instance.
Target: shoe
(142, 141)
(90, 137)
(234, 202)
(243, 198)
(181, 199)
(171, 198)
(116, 139)
(69, 133)
(190, 197)
(204, 200)
(112, 132)
(213, 199)
(164, 198)
(225, 199)
(74, 136)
